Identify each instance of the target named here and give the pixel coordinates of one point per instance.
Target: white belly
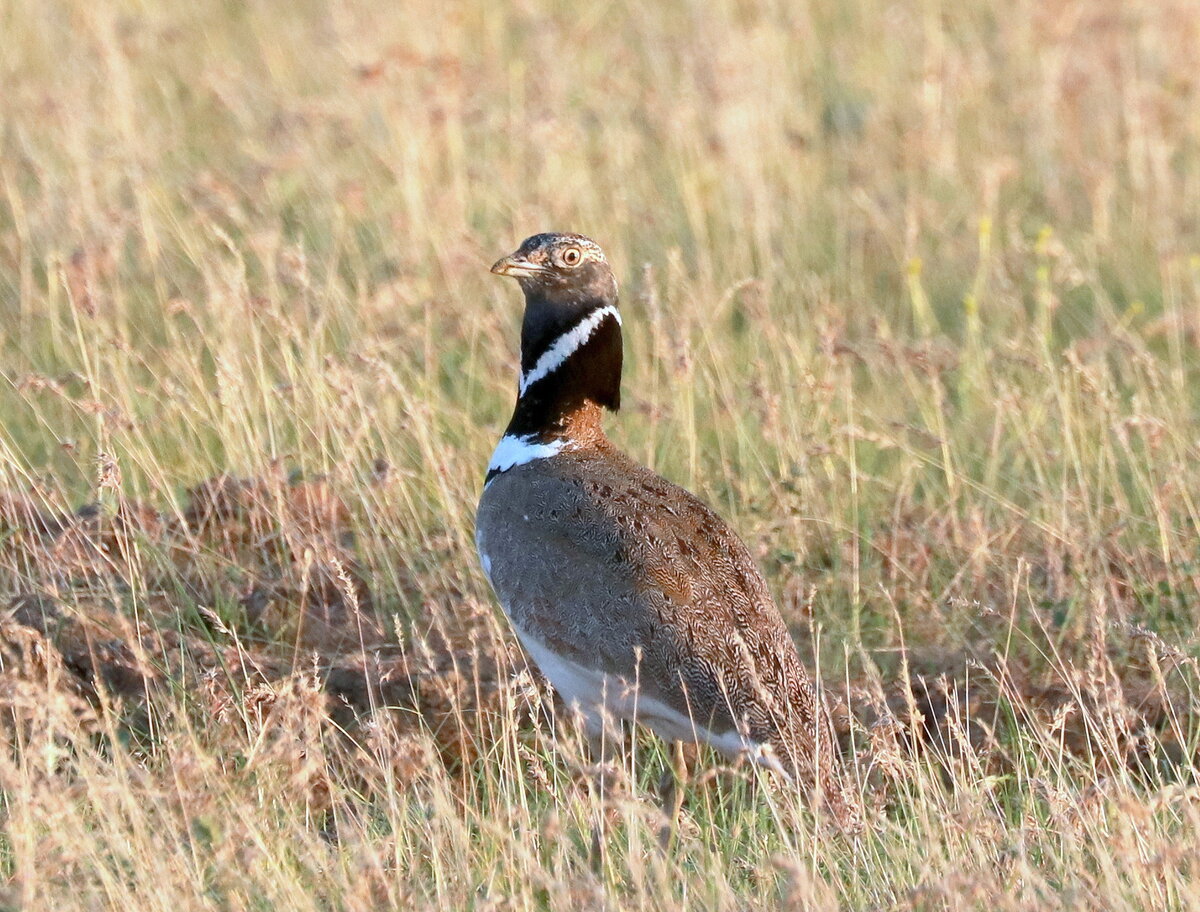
(595, 694)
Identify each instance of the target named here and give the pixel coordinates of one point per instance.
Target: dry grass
(912, 295)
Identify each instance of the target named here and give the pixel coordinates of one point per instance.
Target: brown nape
(585, 425)
(634, 598)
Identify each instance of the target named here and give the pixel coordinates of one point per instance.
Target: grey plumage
(637, 597)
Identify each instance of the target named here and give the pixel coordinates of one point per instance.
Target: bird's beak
(516, 267)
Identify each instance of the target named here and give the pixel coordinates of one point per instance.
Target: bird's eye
(571, 256)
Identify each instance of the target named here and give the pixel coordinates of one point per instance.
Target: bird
(634, 599)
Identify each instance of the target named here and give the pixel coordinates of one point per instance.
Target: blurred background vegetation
(911, 295)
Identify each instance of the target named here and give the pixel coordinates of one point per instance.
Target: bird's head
(571, 333)
(564, 269)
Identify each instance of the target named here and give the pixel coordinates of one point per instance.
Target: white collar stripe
(566, 345)
(513, 451)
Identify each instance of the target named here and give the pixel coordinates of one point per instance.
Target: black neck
(590, 373)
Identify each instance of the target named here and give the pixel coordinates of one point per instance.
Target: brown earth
(73, 626)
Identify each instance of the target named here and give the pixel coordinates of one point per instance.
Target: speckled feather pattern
(634, 596)
(615, 567)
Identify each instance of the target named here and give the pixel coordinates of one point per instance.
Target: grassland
(912, 295)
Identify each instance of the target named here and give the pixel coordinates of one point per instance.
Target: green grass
(910, 295)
